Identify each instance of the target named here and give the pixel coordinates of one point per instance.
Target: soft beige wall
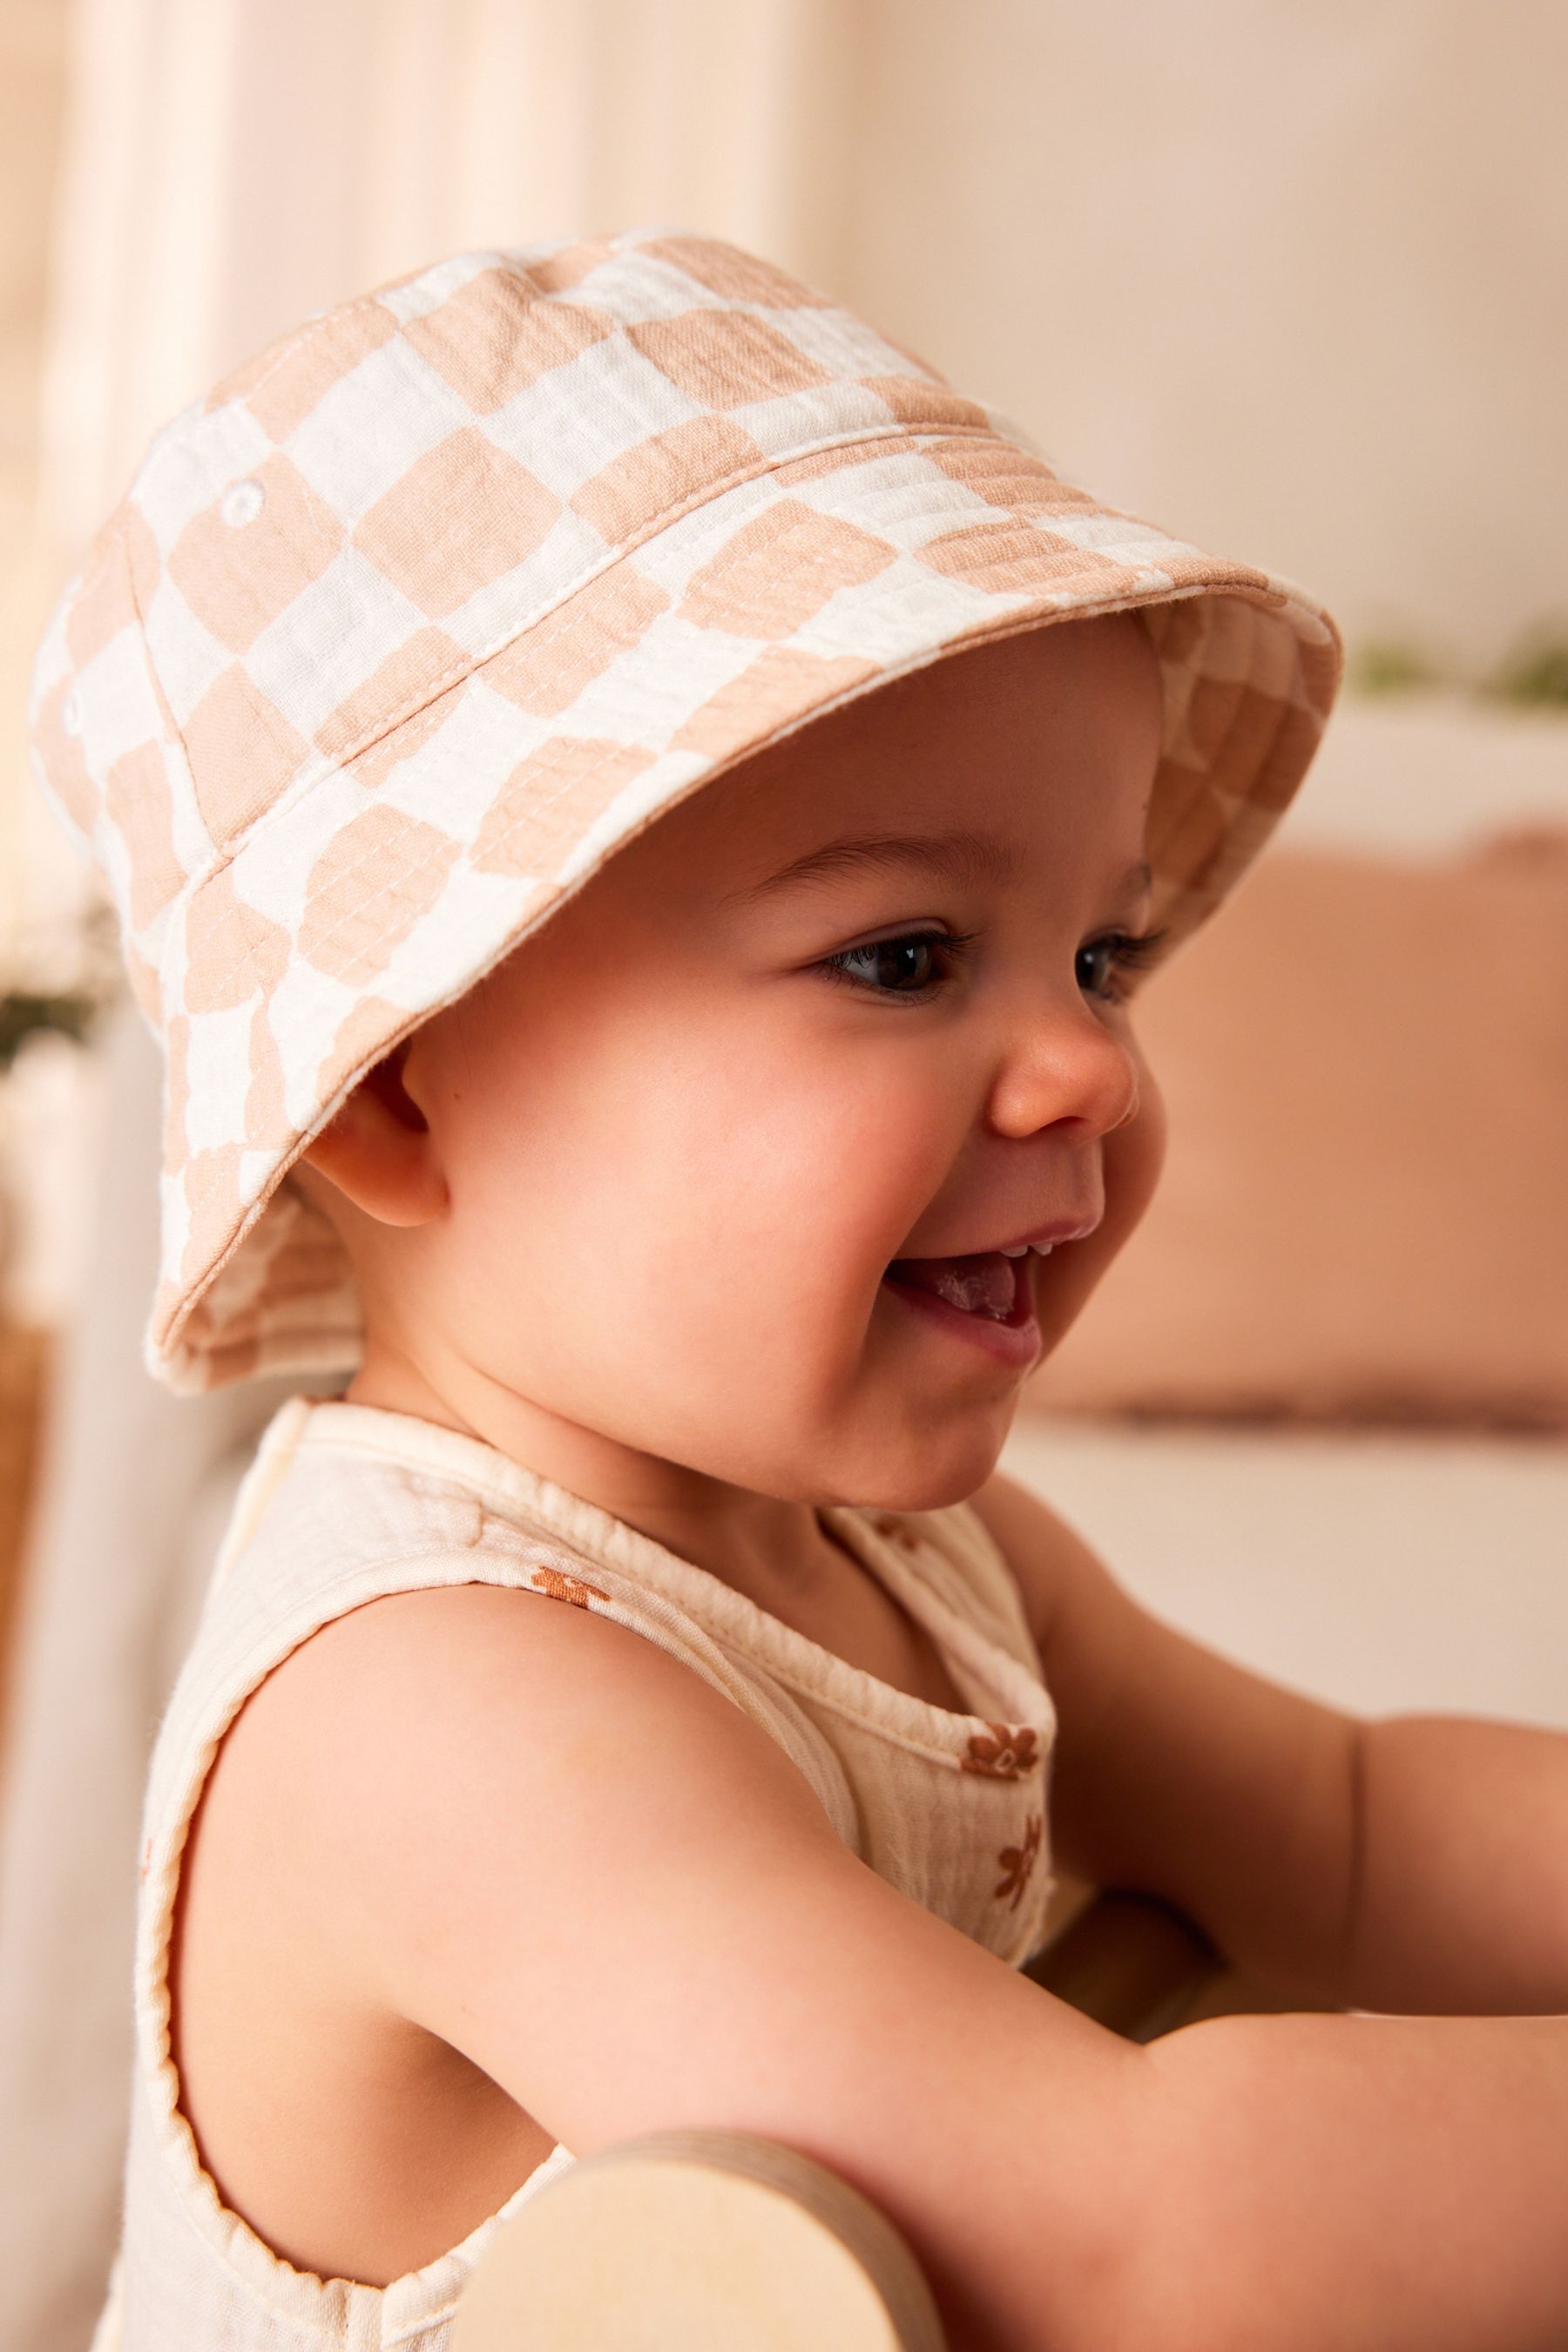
(1285, 273)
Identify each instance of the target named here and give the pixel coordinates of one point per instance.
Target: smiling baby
(639, 816)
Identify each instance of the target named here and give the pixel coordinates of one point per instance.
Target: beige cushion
(1363, 1214)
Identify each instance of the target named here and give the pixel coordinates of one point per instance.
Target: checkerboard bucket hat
(399, 633)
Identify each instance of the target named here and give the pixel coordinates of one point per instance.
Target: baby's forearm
(1355, 2184)
(1462, 1905)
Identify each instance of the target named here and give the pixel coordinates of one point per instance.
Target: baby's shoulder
(437, 1742)
(422, 1678)
(440, 1799)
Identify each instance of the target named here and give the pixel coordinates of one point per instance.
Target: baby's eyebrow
(962, 854)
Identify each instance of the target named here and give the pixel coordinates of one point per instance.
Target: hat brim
(351, 913)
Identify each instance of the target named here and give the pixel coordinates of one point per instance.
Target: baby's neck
(765, 1546)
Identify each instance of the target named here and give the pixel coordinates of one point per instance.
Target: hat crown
(270, 598)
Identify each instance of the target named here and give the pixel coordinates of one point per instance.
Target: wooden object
(695, 2239)
(726, 2238)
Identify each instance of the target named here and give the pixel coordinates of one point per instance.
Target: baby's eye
(910, 965)
(1124, 951)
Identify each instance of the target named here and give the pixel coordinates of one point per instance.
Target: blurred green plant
(1536, 672)
(23, 1012)
(65, 991)
(1389, 666)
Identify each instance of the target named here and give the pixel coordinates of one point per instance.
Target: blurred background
(1283, 274)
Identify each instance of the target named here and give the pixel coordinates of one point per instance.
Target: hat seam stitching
(352, 304)
(308, 333)
(662, 520)
(233, 918)
(515, 268)
(373, 300)
(431, 690)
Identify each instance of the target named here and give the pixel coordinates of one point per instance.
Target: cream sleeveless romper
(346, 1502)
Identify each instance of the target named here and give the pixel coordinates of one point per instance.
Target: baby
(688, 1180)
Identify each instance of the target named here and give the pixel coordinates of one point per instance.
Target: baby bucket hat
(429, 606)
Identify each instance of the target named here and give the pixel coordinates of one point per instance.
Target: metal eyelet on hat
(242, 502)
(70, 713)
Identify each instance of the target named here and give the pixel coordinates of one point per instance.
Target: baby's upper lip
(1059, 1229)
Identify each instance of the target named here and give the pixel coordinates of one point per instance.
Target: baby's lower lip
(1014, 1338)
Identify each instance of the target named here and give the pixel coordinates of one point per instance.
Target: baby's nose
(1067, 1064)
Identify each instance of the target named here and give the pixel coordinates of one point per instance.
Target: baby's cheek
(1134, 1156)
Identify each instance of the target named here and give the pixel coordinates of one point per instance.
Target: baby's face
(687, 1126)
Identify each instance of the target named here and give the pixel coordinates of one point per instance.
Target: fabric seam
(495, 1492)
(431, 691)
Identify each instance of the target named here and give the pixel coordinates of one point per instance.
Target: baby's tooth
(1022, 1251)
(1042, 1249)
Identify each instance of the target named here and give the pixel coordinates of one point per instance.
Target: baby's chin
(931, 1476)
(900, 1451)
(897, 1453)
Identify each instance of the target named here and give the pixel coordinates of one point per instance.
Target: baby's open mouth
(989, 1282)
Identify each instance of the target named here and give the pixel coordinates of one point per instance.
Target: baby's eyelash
(1132, 950)
(956, 942)
(1129, 950)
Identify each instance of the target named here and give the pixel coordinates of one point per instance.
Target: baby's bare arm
(540, 1838)
(1358, 2184)
(1404, 1864)
(1462, 1895)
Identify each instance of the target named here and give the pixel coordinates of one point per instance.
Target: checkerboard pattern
(420, 612)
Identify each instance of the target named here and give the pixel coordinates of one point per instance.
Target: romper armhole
(243, 1638)
(179, 2205)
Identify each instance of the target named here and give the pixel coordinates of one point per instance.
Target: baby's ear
(378, 1151)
